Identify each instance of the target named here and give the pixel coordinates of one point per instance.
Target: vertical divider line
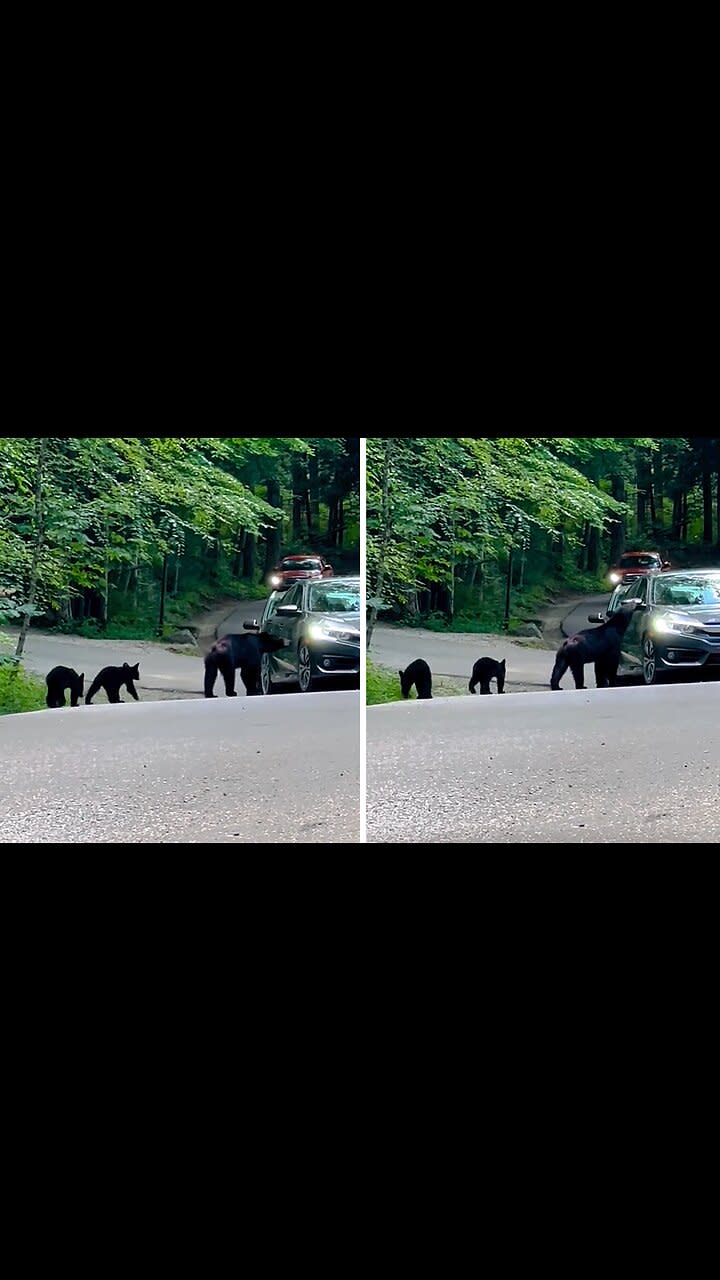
(363, 632)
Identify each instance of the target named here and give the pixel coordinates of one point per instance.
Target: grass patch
(383, 685)
(20, 691)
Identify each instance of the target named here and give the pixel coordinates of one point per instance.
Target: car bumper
(688, 652)
(333, 658)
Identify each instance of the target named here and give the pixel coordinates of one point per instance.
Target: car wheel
(650, 662)
(266, 683)
(305, 669)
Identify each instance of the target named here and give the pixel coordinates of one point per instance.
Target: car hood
(690, 614)
(341, 621)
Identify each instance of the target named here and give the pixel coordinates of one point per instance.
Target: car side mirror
(666, 564)
(639, 604)
(251, 626)
(596, 617)
(287, 610)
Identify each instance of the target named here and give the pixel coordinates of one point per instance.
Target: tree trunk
(617, 528)
(684, 518)
(451, 601)
(272, 533)
(308, 511)
(717, 492)
(677, 516)
(341, 522)
(593, 559)
(707, 492)
(106, 579)
(314, 487)
(39, 519)
(640, 481)
(581, 563)
(332, 520)
(163, 588)
(299, 476)
(660, 486)
(384, 538)
(249, 556)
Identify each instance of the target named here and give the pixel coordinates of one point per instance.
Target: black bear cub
(600, 645)
(60, 679)
(112, 679)
(485, 670)
(418, 674)
(239, 652)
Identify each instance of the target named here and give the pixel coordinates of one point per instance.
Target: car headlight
(327, 631)
(614, 577)
(275, 580)
(665, 625)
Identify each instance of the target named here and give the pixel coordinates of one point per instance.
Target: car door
(633, 638)
(284, 661)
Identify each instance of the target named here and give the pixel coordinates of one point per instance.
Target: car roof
(639, 553)
(309, 555)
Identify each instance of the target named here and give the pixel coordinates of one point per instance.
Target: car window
(623, 592)
(688, 590)
(335, 596)
(639, 562)
(271, 606)
(637, 590)
(300, 564)
(292, 596)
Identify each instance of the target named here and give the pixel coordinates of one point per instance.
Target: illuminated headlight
(664, 625)
(275, 581)
(614, 577)
(326, 631)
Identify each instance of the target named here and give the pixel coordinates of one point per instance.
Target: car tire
(650, 662)
(266, 683)
(305, 668)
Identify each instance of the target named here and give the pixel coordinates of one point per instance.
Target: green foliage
(444, 516)
(87, 526)
(19, 691)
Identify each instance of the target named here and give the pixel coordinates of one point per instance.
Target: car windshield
(639, 562)
(335, 597)
(301, 564)
(688, 590)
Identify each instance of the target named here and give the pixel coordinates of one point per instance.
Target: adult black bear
(112, 679)
(600, 645)
(485, 670)
(238, 652)
(60, 679)
(418, 674)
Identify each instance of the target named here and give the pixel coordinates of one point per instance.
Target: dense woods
(122, 535)
(469, 529)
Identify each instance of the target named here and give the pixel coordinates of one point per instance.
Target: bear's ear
(401, 673)
(502, 664)
(81, 676)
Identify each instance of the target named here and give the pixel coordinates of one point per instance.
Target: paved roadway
(449, 654)
(163, 674)
(453, 654)
(603, 766)
(228, 771)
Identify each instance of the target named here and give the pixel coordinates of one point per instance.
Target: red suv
(299, 569)
(637, 564)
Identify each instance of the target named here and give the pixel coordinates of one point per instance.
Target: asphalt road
(163, 674)
(453, 654)
(449, 654)
(227, 771)
(603, 766)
